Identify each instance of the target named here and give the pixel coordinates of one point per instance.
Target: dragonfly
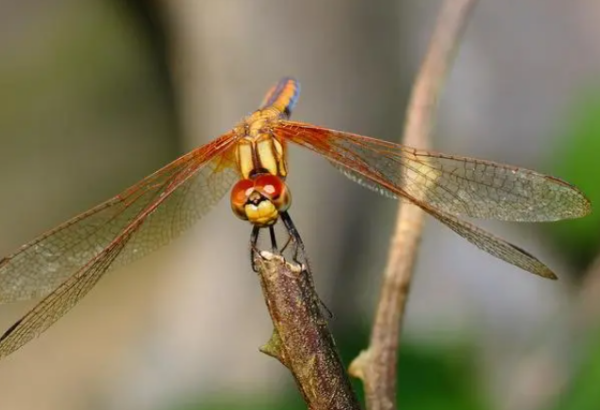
(62, 265)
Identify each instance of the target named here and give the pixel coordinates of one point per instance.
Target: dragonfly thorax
(259, 150)
(260, 199)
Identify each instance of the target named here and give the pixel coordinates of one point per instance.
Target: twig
(301, 340)
(376, 366)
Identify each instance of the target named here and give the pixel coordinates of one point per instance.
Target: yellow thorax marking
(259, 149)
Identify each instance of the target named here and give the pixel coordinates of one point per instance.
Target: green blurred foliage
(577, 161)
(428, 379)
(583, 392)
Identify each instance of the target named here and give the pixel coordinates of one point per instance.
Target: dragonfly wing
(59, 302)
(492, 244)
(140, 220)
(38, 267)
(455, 185)
(367, 183)
(482, 239)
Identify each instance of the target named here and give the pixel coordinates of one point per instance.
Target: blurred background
(96, 94)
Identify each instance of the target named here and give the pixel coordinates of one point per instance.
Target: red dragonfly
(64, 264)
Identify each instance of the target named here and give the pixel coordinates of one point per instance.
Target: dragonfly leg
(299, 248)
(274, 247)
(287, 243)
(253, 248)
(294, 235)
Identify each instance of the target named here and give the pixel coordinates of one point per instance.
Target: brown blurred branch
(301, 340)
(376, 366)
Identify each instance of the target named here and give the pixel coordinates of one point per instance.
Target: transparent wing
(492, 244)
(40, 266)
(124, 228)
(455, 185)
(446, 187)
(60, 301)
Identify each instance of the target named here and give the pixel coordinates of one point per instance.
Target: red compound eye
(269, 185)
(239, 194)
(273, 187)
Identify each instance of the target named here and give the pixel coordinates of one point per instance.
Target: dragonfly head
(260, 199)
